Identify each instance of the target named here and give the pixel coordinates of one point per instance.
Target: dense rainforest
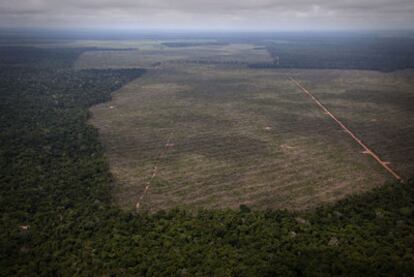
(57, 218)
(381, 54)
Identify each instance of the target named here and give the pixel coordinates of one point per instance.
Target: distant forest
(381, 54)
(57, 217)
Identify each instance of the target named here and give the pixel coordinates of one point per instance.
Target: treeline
(19, 56)
(57, 217)
(381, 54)
(54, 58)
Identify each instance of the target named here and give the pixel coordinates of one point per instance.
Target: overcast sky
(210, 14)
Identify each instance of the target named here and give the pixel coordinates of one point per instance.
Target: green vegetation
(57, 217)
(326, 52)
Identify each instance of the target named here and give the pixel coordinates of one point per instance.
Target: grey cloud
(216, 14)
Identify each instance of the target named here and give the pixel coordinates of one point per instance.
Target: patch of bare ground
(234, 136)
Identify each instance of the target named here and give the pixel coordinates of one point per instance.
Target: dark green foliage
(44, 58)
(37, 57)
(57, 217)
(382, 54)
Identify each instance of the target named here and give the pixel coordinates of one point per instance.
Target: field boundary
(367, 150)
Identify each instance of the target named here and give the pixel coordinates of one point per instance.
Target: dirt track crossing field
(376, 106)
(367, 150)
(164, 152)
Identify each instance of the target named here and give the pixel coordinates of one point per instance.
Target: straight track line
(367, 150)
(154, 170)
(161, 155)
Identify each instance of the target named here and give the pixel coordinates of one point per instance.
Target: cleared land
(236, 137)
(148, 55)
(367, 150)
(201, 129)
(377, 106)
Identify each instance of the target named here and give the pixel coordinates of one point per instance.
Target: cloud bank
(210, 14)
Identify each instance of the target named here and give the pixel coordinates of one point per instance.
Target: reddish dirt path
(168, 145)
(367, 150)
(154, 171)
(161, 155)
